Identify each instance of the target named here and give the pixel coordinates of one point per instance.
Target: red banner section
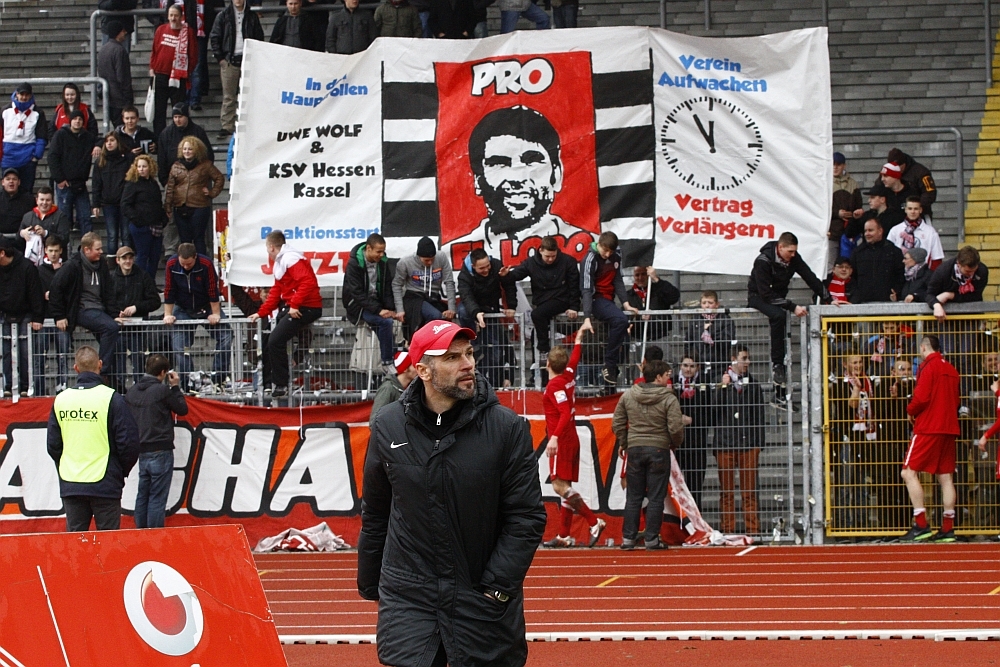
(181, 596)
(271, 469)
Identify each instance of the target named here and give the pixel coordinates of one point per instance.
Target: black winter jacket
(123, 438)
(740, 421)
(70, 156)
(128, 143)
(170, 139)
(355, 293)
(108, 182)
(142, 203)
(486, 295)
(452, 19)
(66, 287)
(918, 286)
(135, 289)
(769, 279)
(21, 291)
(12, 211)
(558, 281)
(919, 179)
(152, 403)
(312, 34)
(713, 358)
(54, 223)
(443, 520)
(662, 295)
(350, 32)
(943, 280)
(45, 276)
(223, 37)
(878, 269)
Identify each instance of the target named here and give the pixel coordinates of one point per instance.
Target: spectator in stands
(295, 296)
(481, 31)
(917, 274)
(898, 190)
(424, 12)
(199, 75)
(739, 437)
(25, 135)
(170, 140)
(555, 288)
(452, 19)
(600, 282)
(917, 177)
(648, 424)
(69, 167)
(351, 30)
(878, 268)
(15, 203)
(424, 287)
(649, 291)
(395, 18)
(564, 13)
(45, 219)
(934, 410)
(108, 181)
(109, 29)
(142, 207)
(854, 431)
(393, 385)
(171, 62)
(846, 204)
(916, 232)
(22, 302)
(191, 292)
(113, 64)
(697, 398)
(892, 395)
(133, 139)
(486, 287)
(299, 29)
(64, 113)
(133, 295)
(512, 10)
(233, 26)
(51, 336)
(710, 336)
(961, 280)
(192, 185)
(878, 211)
(80, 294)
(368, 294)
(840, 283)
(767, 291)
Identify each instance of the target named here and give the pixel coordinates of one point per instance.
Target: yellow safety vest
(83, 419)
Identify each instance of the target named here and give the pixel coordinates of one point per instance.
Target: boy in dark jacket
(367, 293)
(600, 282)
(711, 337)
(351, 30)
(21, 303)
(69, 165)
(555, 287)
(485, 287)
(153, 405)
(49, 336)
(133, 295)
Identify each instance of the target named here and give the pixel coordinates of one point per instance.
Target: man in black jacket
(878, 210)
(233, 26)
(298, 29)
(133, 139)
(21, 303)
(81, 294)
(45, 219)
(133, 295)
(351, 30)
(486, 288)
(170, 139)
(651, 292)
(917, 177)
(961, 280)
(50, 337)
(879, 274)
(154, 405)
(69, 166)
(93, 462)
(14, 204)
(114, 66)
(367, 293)
(767, 291)
(446, 554)
(696, 394)
(555, 287)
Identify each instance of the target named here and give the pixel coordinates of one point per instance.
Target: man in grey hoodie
(648, 423)
(424, 287)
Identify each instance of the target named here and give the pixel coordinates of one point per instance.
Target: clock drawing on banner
(711, 143)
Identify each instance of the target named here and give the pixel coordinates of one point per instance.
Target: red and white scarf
(965, 285)
(706, 331)
(179, 68)
(863, 417)
(907, 238)
(736, 378)
(687, 386)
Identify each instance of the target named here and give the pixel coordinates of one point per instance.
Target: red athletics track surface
(882, 591)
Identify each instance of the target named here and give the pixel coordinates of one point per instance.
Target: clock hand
(710, 135)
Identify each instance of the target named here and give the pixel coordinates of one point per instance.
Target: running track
(949, 591)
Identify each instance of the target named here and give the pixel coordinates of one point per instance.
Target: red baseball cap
(434, 338)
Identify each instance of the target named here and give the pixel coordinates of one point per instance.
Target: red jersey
(560, 401)
(935, 401)
(996, 426)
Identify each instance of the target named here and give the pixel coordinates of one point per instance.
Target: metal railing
(92, 79)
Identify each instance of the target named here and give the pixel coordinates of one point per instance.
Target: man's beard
(502, 217)
(452, 390)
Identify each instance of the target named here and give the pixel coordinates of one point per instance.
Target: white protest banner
(743, 148)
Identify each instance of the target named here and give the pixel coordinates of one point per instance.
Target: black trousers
(164, 100)
(106, 512)
(692, 458)
(542, 315)
(284, 330)
(647, 473)
(777, 316)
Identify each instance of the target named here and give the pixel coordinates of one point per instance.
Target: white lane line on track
(746, 551)
(665, 598)
(657, 610)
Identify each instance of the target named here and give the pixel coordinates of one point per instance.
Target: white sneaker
(558, 542)
(595, 532)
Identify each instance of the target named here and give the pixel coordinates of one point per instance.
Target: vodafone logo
(163, 608)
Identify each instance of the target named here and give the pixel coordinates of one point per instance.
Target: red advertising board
(176, 596)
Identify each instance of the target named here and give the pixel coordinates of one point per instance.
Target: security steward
(94, 441)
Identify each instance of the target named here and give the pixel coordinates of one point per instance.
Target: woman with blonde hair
(108, 183)
(191, 186)
(142, 206)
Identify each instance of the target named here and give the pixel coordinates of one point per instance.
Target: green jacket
(648, 415)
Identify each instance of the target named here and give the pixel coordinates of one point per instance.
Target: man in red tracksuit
(933, 411)
(295, 286)
(563, 448)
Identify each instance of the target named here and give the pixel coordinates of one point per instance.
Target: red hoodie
(297, 288)
(935, 399)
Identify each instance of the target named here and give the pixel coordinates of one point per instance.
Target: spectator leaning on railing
(960, 280)
(49, 336)
(133, 294)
